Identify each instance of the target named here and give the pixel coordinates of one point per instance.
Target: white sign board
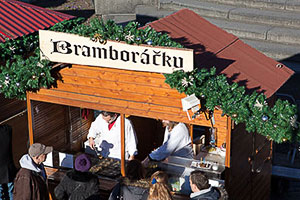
(65, 160)
(74, 49)
(49, 160)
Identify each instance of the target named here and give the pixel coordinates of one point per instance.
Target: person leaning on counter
(177, 142)
(105, 134)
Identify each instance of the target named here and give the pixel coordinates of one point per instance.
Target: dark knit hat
(83, 163)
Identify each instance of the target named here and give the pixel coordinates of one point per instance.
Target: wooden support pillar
(122, 144)
(228, 141)
(29, 115)
(192, 133)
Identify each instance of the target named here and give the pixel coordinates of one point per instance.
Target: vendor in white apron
(104, 136)
(177, 142)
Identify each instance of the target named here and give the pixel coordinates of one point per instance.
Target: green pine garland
(276, 123)
(24, 71)
(131, 33)
(21, 75)
(20, 66)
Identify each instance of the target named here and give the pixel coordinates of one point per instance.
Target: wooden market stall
(56, 116)
(13, 26)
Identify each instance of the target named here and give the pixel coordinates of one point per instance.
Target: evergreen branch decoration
(23, 71)
(17, 79)
(131, 34)
(276, 123)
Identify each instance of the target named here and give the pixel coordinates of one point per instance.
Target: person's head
(38, 152)
(169, 124)
(198, 181)
(158, 187)
(135, 170)
(109, 116)
(82, 163)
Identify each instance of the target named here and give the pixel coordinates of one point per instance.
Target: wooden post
(29, 115)
(192, 133)
(228, 140)
(122, 144)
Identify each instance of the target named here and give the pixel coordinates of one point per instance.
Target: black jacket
(128, 192)
(7, 167)
(78, 186)
(212, 194)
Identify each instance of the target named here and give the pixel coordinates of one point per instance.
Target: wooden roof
(231, 56)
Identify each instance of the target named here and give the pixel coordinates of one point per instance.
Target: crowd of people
(30, 182)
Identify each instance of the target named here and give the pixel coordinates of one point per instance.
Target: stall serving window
(63, 127)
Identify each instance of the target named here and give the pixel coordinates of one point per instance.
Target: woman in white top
(105, 134)
(177, 142)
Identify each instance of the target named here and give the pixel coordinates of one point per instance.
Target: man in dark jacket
(201, 188)
(79, 184)
(7, 167)
(30, 182)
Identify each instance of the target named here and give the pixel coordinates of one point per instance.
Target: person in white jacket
(177, 142)
(105, 136)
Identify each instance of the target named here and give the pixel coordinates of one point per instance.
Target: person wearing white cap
(30, 181)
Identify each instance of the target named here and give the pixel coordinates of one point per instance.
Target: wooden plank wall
(59, 126)
(20, 141)
(9, 110)
(135, 93)
(241, 181)
(149, 133)
(10, 107)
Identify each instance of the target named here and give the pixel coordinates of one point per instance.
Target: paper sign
(49, 160)
(65, 160)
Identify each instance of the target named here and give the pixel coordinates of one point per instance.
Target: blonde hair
(158, 187)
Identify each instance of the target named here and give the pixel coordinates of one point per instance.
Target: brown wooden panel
(120, 94)
(113, 101)
(262, 190)
(115, 84)
(150, 133)
(239, 180)
(91, 103)
(59, 126)
(20, 140)
(116, 75)
(243, 146)
(155, 90)
(10, 107)
(86, 70)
